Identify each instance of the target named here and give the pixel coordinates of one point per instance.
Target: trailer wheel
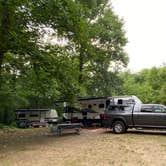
(119, 127)
(22, 125)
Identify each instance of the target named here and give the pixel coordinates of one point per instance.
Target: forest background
(63, 49)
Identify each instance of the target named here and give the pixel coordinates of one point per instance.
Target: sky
(145, 26)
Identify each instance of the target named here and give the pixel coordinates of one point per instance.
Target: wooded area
(63, 49)
(149, 84)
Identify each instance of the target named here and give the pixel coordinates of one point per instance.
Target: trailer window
(34, 115)
(101, 105)
(21, 115)
(89, 106)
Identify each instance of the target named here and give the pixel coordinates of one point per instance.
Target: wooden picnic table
(59, 128)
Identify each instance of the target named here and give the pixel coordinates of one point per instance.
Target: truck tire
(119, 127)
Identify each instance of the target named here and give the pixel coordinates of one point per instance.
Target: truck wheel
(119, 127)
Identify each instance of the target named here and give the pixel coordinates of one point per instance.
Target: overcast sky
(145, 26)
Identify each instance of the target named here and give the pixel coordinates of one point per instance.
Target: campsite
(82, 83)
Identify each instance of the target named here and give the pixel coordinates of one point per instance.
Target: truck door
(144, 117)
(159, 115)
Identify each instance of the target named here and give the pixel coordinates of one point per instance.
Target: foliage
(35, 72)
(108, 40)
(149, 84)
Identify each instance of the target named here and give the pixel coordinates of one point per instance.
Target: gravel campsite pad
(37, 147)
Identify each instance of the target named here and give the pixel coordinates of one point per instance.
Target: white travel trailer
(35, 117)
(88, 109)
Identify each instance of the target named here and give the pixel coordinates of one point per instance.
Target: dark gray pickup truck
(120, 117)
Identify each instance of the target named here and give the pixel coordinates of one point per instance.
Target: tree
(148, 84)
(108, 56)
(34, 73)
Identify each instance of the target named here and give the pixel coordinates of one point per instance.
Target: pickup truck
(120, 117)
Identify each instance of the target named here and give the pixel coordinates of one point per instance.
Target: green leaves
(36, 73)
(149, 84)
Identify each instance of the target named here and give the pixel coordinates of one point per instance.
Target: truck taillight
(105, 117)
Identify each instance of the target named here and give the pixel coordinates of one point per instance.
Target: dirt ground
(93, 147)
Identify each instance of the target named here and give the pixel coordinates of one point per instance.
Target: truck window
(159, 109)
(146, 109)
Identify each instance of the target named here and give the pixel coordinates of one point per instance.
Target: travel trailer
(90, 111)
(35, 117)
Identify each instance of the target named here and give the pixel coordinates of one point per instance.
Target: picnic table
(59, 128)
